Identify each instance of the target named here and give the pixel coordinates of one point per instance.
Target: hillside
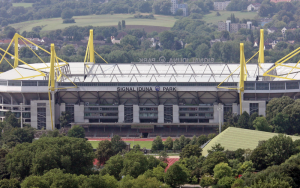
(97, 20)
(234, 138)
(212, 18)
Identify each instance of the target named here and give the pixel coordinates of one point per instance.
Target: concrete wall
(136, 114)
(261, 107)
(121, 113)
(217, 115)
(175, 114)
(79, 113)
(160, 114)
(33, 111)
(235, 108)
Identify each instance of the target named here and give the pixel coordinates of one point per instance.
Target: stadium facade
(144, 95)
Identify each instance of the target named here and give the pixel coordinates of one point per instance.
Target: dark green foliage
(258, 157)
(243, 121)
(226, 182)
(65, 118)
(12, 136)
(67, 13)
(77, 131)
(175, 175)
(261, 124)
(169, 143)
(276, 105)
(157, 144)
(117, 144)
(104, 151)
(202, 139)
(74, 155)
(190, 150)
(212, 160)
(9, 183)
(216, 148)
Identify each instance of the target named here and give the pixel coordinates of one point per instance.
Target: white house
(253, 7)
(283, 30)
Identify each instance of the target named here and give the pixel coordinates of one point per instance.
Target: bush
(69, 21)
(226, 181)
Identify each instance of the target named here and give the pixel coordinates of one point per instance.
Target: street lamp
(220, 109)
(21, 115)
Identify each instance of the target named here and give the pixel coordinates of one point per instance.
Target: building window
(253, 108)
(41, 118)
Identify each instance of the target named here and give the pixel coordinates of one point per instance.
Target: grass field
(25, 5)
(143, 144)
(212, 18)
(95, 20)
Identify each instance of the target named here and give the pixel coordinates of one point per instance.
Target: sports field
(96, 20)
(212, 18)
(143, 144)
(25, 5)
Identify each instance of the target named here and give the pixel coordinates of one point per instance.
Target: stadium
(142, 99)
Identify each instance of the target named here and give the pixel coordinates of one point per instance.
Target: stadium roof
(151, 72)
(234, 138)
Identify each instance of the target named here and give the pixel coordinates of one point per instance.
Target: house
(291, 41)
(114, 41)
(221, 5)
(212, 42)
(253, 7)
(155, 41)
(272, 30)
(283, 30)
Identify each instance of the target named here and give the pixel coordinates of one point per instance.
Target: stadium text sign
(179, 60)
(138, 88)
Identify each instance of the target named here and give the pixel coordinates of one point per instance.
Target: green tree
(13, 136)
(10, 119)
(104, 151)
(68, 50)
(129, 40)
(136, 147)
(278, 149)
(215, 148)
(281, 123)
(157, 144)
(261, 124)
(135, 164)
(222, 170)
(119, 26)
(74, 155)
(169, 143)
(252, 118)
(202, 51)
(113, 166)
(212, 160)
(67, 13)
(76, 131)
(163, 156)
(117, 144)
(166, 38)
(193, 140)
(202, 139)
(145, 6)
(9, 183)
(190, 150)
(176, 145)
(243, 121)
(258, 156)
(276, 105)
(182, 141)
(123, 24)
(293, 112)
(176, 175)
(226, 182)
(159, 173)
(207, 180)
(162, 7)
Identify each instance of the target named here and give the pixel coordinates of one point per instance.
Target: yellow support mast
(261, 56)
(243, 75)
(51, 84)
(91, 47)
(16, 62)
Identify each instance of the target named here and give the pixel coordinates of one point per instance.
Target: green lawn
(25, 5)
(95, 20)
(146, 144)
(212, 18)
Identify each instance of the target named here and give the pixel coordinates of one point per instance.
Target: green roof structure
(234, 138)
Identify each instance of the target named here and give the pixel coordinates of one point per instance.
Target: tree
(3, 167)
(215, 148)
(202, 139)
(13, 136)
(67, 13)
(278, 149)
(243, 121)
(207, 180)
(169, 143)
(293, 112)
(9, 32)
(159, 173)
(74, 155)
(123, 24)
(175, 175)
(202, 51)
(226, 182)
(141, 181)
(76, 131)
(68, 50)
(10, 119)
(222, 170)
(252, 118)
(176, 145)
(136, 147)
(162, 7)
(261, 124)
(119, 26)
(182, 141)
(104, 151)
(212, 160)
(167, 39)
(190, 150)
(9, 183)
(157, 144)
(145, 6)
(163, 156)
(117, 144)
(113, 166)
(193, 140)
(129, 40)
(258, 157)
(276, 105)
(135, 164)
